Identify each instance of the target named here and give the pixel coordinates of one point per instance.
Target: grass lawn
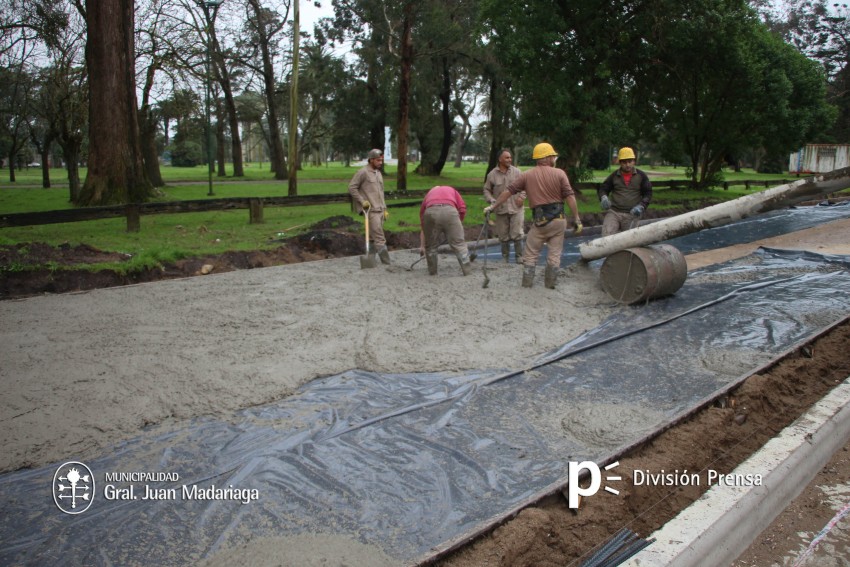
(169, 237)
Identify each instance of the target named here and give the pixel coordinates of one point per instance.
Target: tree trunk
(116, 172)
(219, 136)
(404, 95)
(435, 167)
(147, 129)
(147, 133)
(278, 156)
(71, 153)
(45, 164)
(498, 121)
(223, 76)
(12, 166)
(462, 139)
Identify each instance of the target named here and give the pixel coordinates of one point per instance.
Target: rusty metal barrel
(640, 274)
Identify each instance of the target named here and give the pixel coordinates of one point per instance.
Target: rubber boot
(518, 250)
(384, 255)
(432, 264)
(528, 276)
(550, 277)
(506, 250)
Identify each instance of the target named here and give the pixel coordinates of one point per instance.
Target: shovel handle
(366, 216)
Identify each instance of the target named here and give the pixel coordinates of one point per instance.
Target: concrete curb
(725, 521)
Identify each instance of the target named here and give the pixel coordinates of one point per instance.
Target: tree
(448, 63)
(565, 64)
(321, 82)
(155, 53)
(821, 31)
(351, 113)
(715, 82)
(464, 105)
(42, 137)
(62, 98)
(224, 76)
(263, 26)
(116, 171)
(23, 22)
(16, 86)
(368, 26)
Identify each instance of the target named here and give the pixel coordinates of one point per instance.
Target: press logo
(73, 487)
(576, 492)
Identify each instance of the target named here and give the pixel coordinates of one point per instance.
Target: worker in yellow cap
(547, 188)
(625, 195)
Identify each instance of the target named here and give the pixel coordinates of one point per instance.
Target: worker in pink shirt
(442, 213)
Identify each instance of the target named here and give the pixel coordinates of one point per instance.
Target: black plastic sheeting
(410, 462)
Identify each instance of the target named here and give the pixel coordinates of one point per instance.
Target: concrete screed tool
(422, 257)
(474, 254)
(368, 261)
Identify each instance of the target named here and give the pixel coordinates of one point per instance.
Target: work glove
(578, 228)
(637, 210)
(366, 205)
(386, 214)
(605, 203)
(488, 210)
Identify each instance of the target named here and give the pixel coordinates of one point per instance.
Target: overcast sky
(310, 14)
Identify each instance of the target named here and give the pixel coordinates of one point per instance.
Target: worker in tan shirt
(367, 191)
(547, 188)
(510, 216)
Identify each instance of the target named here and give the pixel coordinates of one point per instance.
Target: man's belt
(544, 214)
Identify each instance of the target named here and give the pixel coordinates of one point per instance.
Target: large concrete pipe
(718, 215)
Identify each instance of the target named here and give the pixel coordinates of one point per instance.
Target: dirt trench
(718, 437)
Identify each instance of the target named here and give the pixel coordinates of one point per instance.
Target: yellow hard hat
(625, 153)
(543, 150)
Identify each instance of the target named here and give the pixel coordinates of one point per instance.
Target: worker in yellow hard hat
(625, 195)
(547, 188)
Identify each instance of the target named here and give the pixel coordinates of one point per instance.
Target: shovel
(369, 260)
(474, 254)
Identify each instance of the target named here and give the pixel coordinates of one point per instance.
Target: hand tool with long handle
(474, 253)
(422, 256)
(368, 261)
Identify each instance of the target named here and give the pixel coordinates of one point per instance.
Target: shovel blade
(368, 261)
